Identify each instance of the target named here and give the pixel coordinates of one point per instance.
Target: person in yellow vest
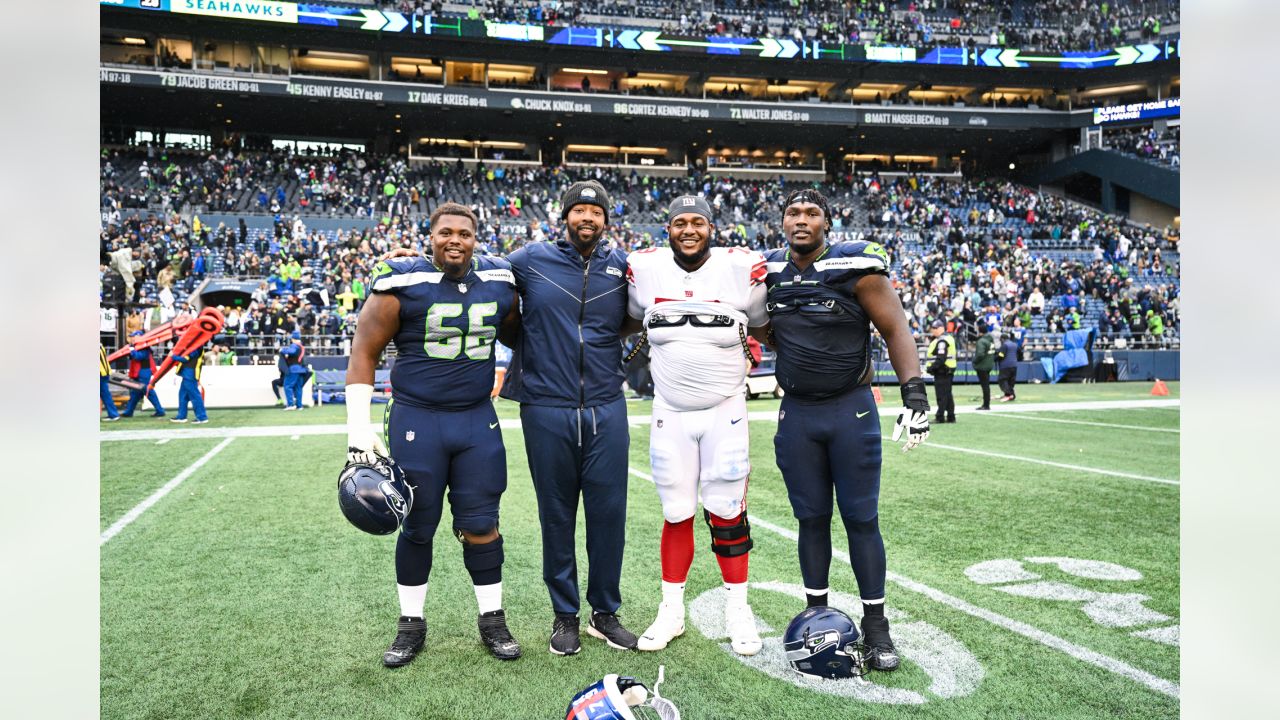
(942, 351)
(104, 388)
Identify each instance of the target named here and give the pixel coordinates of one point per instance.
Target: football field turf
(1033, 572)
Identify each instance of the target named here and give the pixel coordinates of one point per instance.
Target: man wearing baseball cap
(696, 304)
(566, 372)
(942, 350)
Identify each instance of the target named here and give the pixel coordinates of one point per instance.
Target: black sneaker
(408, 643)
(495, 635)
(564, 635)
(608, 628)
(877, 645)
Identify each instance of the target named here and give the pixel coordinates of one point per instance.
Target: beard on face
(575, 234)
(806, 245)
(690, 259)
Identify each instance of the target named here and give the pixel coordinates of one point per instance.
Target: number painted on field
(953, 671)
(1108, 609)
(444, 342)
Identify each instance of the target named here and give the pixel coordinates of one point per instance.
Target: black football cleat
(877, 645)
(564, 635)
(608, 628)
(408, 643)
(495, 635)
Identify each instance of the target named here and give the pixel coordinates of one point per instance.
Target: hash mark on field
(1027, 416)
(1050, 463)
(1078, 652)
(152, 499)
(162, 441)
(295, 437)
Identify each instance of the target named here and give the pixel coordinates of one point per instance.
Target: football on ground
(1033, 572)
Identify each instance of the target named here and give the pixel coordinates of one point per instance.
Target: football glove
(914, 418)
(363, 444)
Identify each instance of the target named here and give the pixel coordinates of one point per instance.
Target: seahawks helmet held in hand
(621, 698)
(375, 497)
(823, 641)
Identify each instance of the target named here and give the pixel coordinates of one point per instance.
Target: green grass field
(244, 593)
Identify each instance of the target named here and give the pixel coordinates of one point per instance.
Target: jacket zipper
(582, 343)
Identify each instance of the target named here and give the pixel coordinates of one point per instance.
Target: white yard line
(142, 507)
(1067, 647)
(1025, 416)
(514, 423)
(1037, 461)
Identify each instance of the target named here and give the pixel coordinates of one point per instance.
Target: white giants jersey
(696, 321)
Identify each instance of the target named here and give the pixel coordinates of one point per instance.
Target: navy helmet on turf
(375, 498)
(621, 698)
(823, 641)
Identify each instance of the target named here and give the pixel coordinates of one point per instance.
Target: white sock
(489, 597)
(673, 593)
(412, 599)
(736, 594)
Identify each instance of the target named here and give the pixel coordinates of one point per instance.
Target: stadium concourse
(1048, 26)
(962, 249)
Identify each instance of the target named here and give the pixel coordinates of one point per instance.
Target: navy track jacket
(569, 353)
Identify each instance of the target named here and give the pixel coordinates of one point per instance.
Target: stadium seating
(931, 225)
(1052, 26)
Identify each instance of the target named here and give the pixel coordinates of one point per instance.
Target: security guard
(943, 368)
(104, 388)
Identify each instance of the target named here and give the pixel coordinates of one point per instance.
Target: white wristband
(359, 399)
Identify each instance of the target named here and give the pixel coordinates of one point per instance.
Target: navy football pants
(583, 452)
(835, 444)
(459, 451)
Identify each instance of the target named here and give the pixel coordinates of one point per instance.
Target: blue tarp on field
(1077, 344)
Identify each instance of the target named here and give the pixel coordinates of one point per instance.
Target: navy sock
(814, 545)
(866, 555)
(413, 561)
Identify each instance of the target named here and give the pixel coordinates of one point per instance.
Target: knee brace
(731, 539)
(483, 562)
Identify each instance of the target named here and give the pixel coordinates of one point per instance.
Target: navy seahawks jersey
(820, 332)
(448, 329)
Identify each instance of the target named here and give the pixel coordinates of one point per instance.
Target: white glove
(914, 417)
(915, 424)
(363, 444)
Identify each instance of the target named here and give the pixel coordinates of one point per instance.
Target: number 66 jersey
(445, 344)
(696, 322)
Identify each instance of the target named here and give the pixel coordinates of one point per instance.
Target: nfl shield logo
(782, 414)
(462, 287)
(797, 278)
(659, 423)
(408, 435)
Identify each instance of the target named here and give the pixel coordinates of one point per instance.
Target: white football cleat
(740, 624)
(668, 626)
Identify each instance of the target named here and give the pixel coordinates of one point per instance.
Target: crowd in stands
(1159, 146)
(1052, 25)
(964, 250)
